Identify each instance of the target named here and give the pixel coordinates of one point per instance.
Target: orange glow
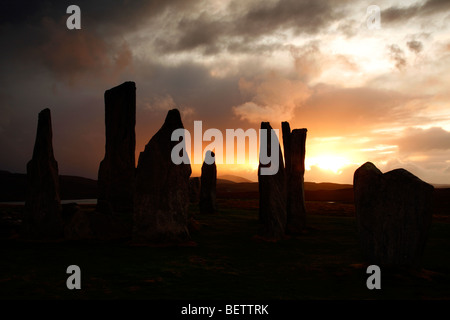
(331, 163)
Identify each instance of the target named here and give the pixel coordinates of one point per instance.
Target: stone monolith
(208, 184)
(272, 191)
(116, 175)
(42, 218)
(162, 189)
(294, 155)
(394, 212)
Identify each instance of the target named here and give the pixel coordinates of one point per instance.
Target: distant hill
(73, 187)
(13, 187)
(233, 178)
(313, 186)
(224, 181)
(221, 181)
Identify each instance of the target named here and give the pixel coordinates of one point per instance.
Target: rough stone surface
(194, 190)
(294, 155)
(42, 218)
(208, 185)
(77, 223)
(272, 195)
(162, 189)
(116, 175)
(394, 212)
(82, 224)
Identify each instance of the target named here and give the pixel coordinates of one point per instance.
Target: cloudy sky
(364, 94)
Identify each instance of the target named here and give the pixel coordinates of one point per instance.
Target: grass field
(227, 261)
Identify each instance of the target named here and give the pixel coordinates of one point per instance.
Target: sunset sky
(363, 94)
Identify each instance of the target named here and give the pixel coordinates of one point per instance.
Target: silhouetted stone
(42, 219)
(208, 185)
(93, 225)
(194, 190)
(162, 189)
(272, 194)
(116, 175)
(294, 155)
(194, 197)
(77, 224)
(69, 210)
(393, 212)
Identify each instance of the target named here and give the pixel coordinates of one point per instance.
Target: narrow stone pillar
(42, 219)
(194, 190)
(272, 190)
(116, 175)
(294, 155)
(208, 184)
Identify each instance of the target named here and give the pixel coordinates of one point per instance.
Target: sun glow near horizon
(328, 162)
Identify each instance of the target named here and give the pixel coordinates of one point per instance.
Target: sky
(364, 94)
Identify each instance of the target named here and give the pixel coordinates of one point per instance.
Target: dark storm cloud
(240, 32)
(306, 16)
(122, 14)
(40, 38)
(180, 26)
(397, 14)
(192, 33)
(20, 11)
(104, 20)
(72, 55)
(36, 34)
(190, 85)
(433, 6)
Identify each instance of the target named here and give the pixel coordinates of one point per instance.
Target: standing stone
(162, 189)
(78, 223)
(272, 193)
(208, 184)
(42, 219)
(294, 155)
(194, 190)
(116, 175)
(393, 212)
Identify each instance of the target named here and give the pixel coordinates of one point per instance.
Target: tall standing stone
(272, 191)
(42, 219)
(208, 184)
(194, 190)
(116, 175)
(162, 189)
(394, 212)
(294, 155)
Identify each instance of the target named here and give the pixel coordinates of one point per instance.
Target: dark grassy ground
(227, 262)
